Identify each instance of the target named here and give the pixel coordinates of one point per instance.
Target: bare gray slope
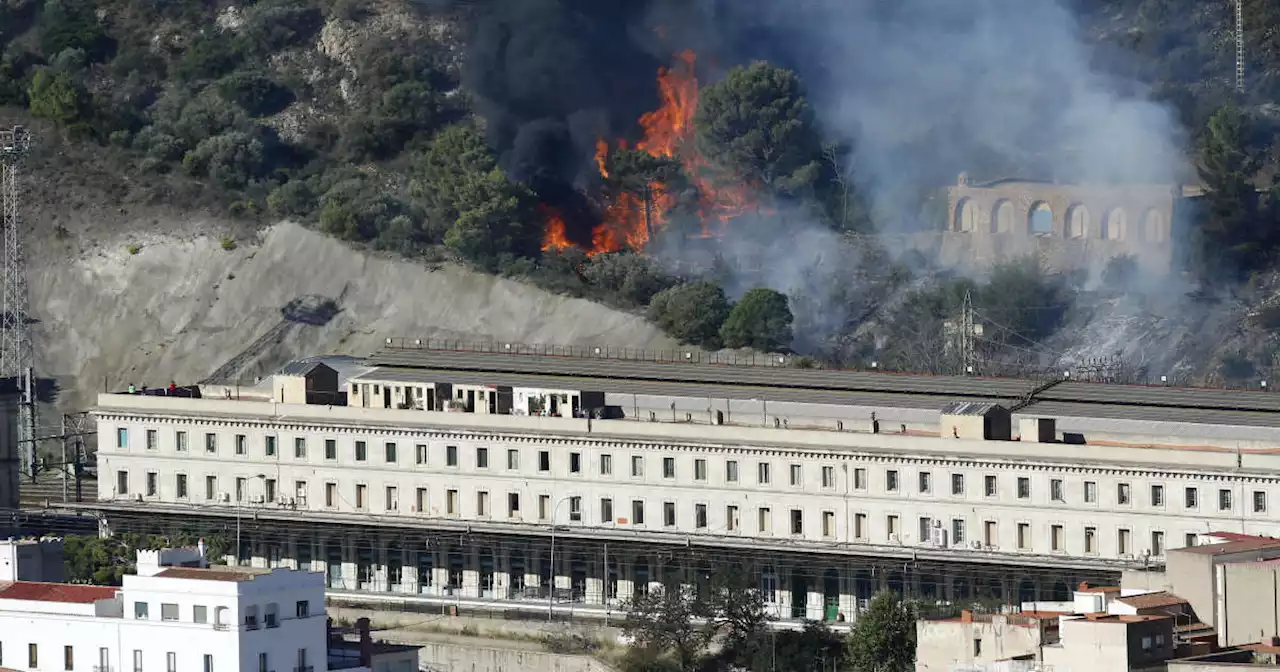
(182, 306)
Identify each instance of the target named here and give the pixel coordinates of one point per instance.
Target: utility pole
(16, 359)
(968, 337)
(1239, 46)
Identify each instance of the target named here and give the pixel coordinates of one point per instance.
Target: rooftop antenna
(1239, 46)
(16, 360)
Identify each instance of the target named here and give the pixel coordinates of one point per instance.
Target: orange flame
(554, 237)
(630, 219)
(602, 155)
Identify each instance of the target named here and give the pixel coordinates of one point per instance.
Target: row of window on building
(169, 612)
(932, 531)
(171, 659)
(958, 486)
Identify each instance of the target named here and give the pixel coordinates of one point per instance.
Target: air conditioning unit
(224, 497)
(937, 523)
(893, 538)
(975, 544)
(938, 537)
(256, 499)
(137, 497)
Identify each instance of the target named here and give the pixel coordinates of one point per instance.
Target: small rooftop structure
(976, 420)
(306, 381)
(31, 560)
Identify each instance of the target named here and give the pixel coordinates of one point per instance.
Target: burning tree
(731, 148)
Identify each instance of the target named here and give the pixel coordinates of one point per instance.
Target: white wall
(846, 454)
(52, 626)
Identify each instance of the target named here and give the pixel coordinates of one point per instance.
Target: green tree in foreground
(105, 561)
(667, 623)
(761, 320)
(884, 638)
(673, 627)
(692, 312)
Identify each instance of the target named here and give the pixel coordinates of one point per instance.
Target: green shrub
(692, 312)
(761, 320)
(254, 92)
(227, 243)
(73, 24)
(134, 248)
(210, 56)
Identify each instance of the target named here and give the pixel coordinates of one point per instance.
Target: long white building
(433, 484)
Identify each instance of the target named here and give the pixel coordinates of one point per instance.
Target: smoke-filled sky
(923, 89)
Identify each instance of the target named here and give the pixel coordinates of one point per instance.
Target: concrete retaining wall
(456, 656)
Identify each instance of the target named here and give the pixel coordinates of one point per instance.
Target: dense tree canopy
(325, 113)
(1235, 231)
(495, 218)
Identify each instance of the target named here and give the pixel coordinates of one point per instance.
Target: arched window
(1113, 227)
(1153, 227)
(1040, 219)
(1002, 217)
(966, 216)
(1078, 222)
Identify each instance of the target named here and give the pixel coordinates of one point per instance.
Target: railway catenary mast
(16, 358)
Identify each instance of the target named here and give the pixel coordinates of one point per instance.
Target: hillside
(183, 306)
(728, 179)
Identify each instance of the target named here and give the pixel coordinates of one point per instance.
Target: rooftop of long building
(764, 389)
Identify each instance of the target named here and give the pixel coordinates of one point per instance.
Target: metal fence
(690, 356)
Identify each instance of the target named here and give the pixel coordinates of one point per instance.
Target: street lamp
(551, 592)
(264, 479)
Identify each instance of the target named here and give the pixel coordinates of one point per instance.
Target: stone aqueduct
(1075, 225)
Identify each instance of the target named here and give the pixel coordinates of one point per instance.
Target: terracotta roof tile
(56, 592)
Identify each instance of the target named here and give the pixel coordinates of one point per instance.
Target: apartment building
(176, 613)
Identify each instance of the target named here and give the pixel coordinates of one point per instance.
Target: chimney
(366, 642)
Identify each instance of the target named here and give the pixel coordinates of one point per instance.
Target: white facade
(1000, 498)
(168, 618)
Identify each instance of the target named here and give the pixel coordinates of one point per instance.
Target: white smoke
(925, 89)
